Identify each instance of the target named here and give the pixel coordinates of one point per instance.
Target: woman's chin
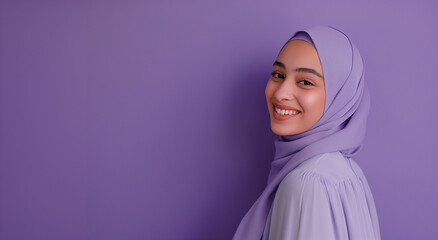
(282, 131)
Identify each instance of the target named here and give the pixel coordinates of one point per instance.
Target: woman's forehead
(299, 53)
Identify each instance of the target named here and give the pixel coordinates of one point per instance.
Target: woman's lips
(281, 112)
(283, 117)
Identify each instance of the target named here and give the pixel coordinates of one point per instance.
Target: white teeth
(285, 112)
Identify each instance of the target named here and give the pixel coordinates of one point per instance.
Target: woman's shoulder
(325, 192)
(332, 167)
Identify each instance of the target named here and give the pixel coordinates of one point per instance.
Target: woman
(318, 103)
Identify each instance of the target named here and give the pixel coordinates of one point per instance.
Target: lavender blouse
(326, 197)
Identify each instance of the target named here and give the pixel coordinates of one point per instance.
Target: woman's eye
(277, 75)
(305, 82)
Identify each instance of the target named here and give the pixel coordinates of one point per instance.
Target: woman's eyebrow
(307, 70)
(280, 64)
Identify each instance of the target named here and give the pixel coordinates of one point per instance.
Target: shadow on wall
(249, 123)
(251, 142)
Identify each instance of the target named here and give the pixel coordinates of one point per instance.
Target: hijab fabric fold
(341, 127)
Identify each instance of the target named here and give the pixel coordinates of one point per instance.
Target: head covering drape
(341, 127)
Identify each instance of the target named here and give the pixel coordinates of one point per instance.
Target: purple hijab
(341, 127)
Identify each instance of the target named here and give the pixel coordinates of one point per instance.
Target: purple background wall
(147, 120)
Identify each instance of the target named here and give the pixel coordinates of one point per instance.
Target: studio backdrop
(148, 120)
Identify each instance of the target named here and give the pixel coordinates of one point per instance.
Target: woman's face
(295, 93)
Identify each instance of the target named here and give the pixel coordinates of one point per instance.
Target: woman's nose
(285, 91)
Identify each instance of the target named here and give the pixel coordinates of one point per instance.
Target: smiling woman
(318, 104)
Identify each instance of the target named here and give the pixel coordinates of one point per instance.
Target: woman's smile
(282, 112)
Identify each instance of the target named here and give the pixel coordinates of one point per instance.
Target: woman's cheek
(269, 90)
(314, 103)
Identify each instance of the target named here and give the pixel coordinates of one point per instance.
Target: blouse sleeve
(302, 209)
